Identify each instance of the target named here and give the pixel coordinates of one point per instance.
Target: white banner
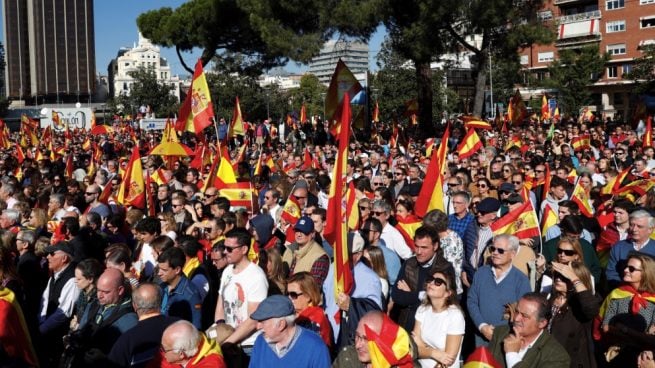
(74, 117)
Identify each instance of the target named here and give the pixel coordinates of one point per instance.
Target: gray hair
(638, 214)
(58, 197)
(186, 339)
(146, 302)
(28, 236)
(9, 188)
(511, 240)
(12, 215)
(382, 204)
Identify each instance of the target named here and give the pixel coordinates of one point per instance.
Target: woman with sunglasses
(574, 306)
(439, 328)
(483, 187)
(568, 250)
(306, 298)
(628, 310)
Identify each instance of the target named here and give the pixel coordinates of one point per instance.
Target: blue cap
(273, 307)
(488, 205)
(305, 225)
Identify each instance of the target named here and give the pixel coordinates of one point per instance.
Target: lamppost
(323, 96)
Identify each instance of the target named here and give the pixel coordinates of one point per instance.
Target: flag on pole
(343, 81)
(470, 145)
(303, 114)
(548, 219)
(407, 227)
(236, 126)
(150, 198)
(477, 124)
(647, 138)
(352, 202)
(336, 230)
(291, 210)
(132, 189)
(516, 109)
(581, 197)
(545, 109)
(197, 112)
(431, 195)
(521, 222)
(581, 142)
(376, 113)
(391, 347)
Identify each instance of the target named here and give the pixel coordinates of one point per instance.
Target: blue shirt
(306, 349)
(391, 260)
(183, 301)
(619, 255)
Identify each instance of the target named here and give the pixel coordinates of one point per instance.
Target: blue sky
(115, 27)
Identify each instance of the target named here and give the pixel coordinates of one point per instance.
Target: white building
(284, 82)
(353, 53)
(142, 55)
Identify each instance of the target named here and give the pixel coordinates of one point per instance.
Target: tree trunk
(424, 87)
(480, 83)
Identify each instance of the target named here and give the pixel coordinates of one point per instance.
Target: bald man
(183, 345)
(140, 344)
(111, 314)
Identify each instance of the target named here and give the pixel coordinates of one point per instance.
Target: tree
(572, 74)
(311, 92)
(643, 71)
(148, 91)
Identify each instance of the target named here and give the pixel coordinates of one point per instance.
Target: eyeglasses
(231, 249)
(18, 239)
(90, 193)
(178, 205)
(293, 294)
(517, 182)
(377, 184)
(398, 174)
(163, 350)
(481, 185)
(450, 185)
(539, 171)
(566, 252)
(363, 208)
(619, 153)
(632, 269)
(378, 213)
(493, 249)
(434, 280)
(297, 197)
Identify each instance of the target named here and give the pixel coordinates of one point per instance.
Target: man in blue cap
(305, 254)
(282, 343)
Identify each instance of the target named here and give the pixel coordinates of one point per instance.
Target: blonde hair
(575, 243)
(648, 272)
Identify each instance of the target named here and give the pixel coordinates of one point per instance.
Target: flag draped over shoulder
(132, 189)
(470, 145)
(391, 347)
(431, 195)
(197, 111)
(343, 81)
(521, 222)
(336, 230)
(638, 301)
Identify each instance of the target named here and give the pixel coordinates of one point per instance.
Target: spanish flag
(303, 113)
(581, 197)
(197, 112)
(482, 357)
(429, 144)
(336, 230)
(521, 222)
(150, 198)
(477, 124)
(236, 126)
(14, 335)
(556, 114)
(132, 189)
(352, 202)
(391, 347)
(638, 301)
(239, 194)
(513, 141)
(343, 82)
(431, 195)
(291, 210)
(640, 187)
(407, 227)
(105, 195)
(581, 142)
(647, 138)
(614, 184)
(545, 110)
(548, 219)
(516, 109)
(470, 145)
(376, 113)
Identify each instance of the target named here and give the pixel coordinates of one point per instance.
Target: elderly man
(282, 342)
(527, 343)
(376, 331)
(494, 286)
(10, 220)
(140, 344)
(305, 254)
(7, 192)
(641, 227)
(393, 239)
(57, 301)
(56, 209)
(182, 345)
(111, 315)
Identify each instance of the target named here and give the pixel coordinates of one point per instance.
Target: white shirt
(512, 358)
(395, 241)
(67, 298)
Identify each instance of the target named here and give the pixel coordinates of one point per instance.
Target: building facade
(354, 54)
(50, 50)
(142, 55)
(619, 27)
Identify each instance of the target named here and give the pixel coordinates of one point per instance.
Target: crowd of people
(194, 280)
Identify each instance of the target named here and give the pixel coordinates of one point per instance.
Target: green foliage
(572, 73)
(146, 90)
(311, 92)
(643, 71)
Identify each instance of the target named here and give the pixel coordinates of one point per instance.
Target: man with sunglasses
(642, 225)
(243, 287)
(494, 286)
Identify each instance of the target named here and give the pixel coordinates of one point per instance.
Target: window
(615, 26)
(615, 4)
(543, 57)
(546, 15)
(524, 59)
(646, 2)
(617, 49)
(612, 72)
(647, 22)
(627, 68)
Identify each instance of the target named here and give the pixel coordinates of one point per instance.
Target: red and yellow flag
(150, 197)
(236, 126)
(105, 195)
(291, 210)
(482, 357)
(470, 145)
(391, 347)
(581, 142)
(638, 301)
(197, 112)
(431, 195)
(407, 227)
(521, 222)
(548, 218)
(477, 124)
(545, 110)
(581, 197)
(303, 114)
(343, 81)
(14, 335)
(640, 187)
(239, 194)
(336, 230)
(647, 138)
(614, 184)
(376, 113)
(352, 202)
(132, 189)
(516, 109)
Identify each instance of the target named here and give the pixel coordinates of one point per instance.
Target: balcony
(580, 17)
(571, 2)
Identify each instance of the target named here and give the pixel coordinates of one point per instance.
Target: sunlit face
(633, 271)
(621, 216)
(566, 253)
(299, 299)
(424, 249)
(640, 229)
(82, 282)
(526, 322)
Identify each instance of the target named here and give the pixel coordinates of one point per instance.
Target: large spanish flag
(132, 189)
(14, 335)
(581, 197)
(407, 227)
(343, 82)
(236, 126)
(522, 222)
(197, 112)
(239, 194)
(352, 202)
(391, 347)
(431, 195)
(336, 230)
(470, 145)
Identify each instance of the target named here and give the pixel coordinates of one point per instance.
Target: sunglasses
(450, 185)
(632, 269)
(566, 252)
(539, 171)
(90, 193)
(517, 182)
(178, 205)
(493, 249)
(398, 174)
(293, 295)
(481, 185)
(378, 213)
(363, 208)
(231, 249)
(377, 184)
(434, 280)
